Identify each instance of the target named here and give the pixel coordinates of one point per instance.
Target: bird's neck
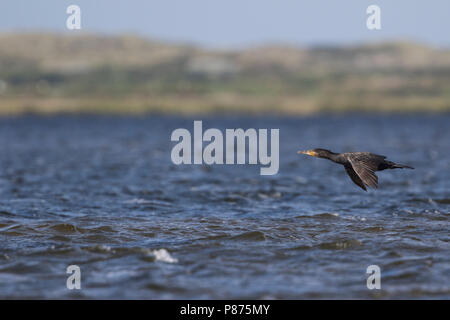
(335, 157)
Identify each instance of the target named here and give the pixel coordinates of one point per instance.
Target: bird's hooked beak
(309, 153)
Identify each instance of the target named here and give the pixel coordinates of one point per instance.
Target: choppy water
(102, 193)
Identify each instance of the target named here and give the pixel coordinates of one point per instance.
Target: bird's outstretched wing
(355, 178)
(364, 164)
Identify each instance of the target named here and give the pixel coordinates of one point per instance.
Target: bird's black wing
(365, 164)
(355, 178)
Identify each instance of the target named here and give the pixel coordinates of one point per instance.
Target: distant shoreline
(27, 110)
(56, 73)
(193, 106)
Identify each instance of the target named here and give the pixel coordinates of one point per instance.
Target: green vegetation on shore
(49, 73)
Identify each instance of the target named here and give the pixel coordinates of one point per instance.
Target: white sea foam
(137, 201)
(164, 256)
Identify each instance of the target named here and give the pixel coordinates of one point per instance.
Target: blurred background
(203, 56)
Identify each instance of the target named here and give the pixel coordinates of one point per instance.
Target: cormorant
(360, 166)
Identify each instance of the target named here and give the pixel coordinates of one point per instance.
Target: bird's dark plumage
(360, 166)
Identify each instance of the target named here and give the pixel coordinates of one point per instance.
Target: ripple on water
(250, 236)
(65, 228)
(319, 216)
(341, 244)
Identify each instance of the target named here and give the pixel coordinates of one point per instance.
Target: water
(102, 193)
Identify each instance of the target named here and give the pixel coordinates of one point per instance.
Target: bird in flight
(360, 166)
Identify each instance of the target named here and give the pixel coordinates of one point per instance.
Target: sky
(240, 23)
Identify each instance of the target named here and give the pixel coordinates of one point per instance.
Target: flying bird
(360, 166)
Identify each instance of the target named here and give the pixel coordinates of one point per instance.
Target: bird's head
(319, 153)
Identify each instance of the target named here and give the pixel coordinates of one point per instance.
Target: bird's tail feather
(401, 166)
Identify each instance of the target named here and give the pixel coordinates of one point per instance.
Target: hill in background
(128, 74)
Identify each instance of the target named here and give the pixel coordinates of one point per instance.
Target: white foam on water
(335, 214)
(137, 201)
(164, 256)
